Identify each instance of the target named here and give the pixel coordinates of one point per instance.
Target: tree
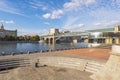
(21, 38)
(9, 38)
(34, 38)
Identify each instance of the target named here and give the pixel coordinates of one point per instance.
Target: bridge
(71, 36)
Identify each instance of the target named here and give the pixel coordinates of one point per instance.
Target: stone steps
(65, 62)
(13, 63)
(93, 67)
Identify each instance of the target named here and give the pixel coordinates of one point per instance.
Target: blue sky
(38, 16)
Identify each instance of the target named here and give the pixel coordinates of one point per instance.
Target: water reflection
(8, 48)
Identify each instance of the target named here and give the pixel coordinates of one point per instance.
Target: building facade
(106, 36)
(4, 32)
(53, 31)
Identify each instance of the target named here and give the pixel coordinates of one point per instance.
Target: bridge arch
(51, 40)
(47, 40)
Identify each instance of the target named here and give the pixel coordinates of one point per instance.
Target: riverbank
(19, 41)
(88, 53)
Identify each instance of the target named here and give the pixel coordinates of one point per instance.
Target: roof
(102, 30)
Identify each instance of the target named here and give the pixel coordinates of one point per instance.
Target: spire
(2, 27)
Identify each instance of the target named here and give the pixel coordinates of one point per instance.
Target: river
(8, 48)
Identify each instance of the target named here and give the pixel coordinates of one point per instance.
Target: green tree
(9, 38)
(21, 38)
(34, 38)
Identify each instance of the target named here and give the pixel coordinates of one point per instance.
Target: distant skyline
(31, 17)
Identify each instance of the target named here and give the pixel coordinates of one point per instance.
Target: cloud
(71, 20)
(74, 27)
(6, 8)
(2, 21)
(115, 3)
(54, 15)
(106, 23)
(103, 13)
(77, 4)
(32, 32)
(73, 5)
(47, 23)
(38, 5)
(7, 21)
(47, 15)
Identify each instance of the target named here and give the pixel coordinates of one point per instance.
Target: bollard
(12, 53)
(41, 51)
(50, 50)
(3, 53)
(28, 52)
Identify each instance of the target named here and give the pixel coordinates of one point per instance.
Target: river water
(8, 48)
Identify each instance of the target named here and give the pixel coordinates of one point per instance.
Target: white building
(53, 31)
(4, 32)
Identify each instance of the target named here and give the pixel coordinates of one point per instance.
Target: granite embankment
(89, 53)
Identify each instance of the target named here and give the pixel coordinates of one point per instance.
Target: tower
(53, 31)
(2, 27)
(117, 28)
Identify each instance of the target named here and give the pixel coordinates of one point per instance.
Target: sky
(31, 17)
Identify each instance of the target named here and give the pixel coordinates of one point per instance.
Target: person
(36, 63)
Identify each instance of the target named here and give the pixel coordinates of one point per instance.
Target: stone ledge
(111, 70)
(115, 50)
(67, 62)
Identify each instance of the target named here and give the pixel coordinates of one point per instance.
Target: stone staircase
(65, 62)
(13, 63)
(93, 67)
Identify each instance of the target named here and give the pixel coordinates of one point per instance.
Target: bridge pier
(50, 40)
(75, 41)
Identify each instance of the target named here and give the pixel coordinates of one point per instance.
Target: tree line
(20, 38)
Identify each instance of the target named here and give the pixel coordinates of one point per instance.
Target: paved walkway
(44, 73)
(90, 53)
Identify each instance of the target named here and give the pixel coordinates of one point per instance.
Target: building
(53, 31)
(65, 32)
(4, 32)
(106, 35)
